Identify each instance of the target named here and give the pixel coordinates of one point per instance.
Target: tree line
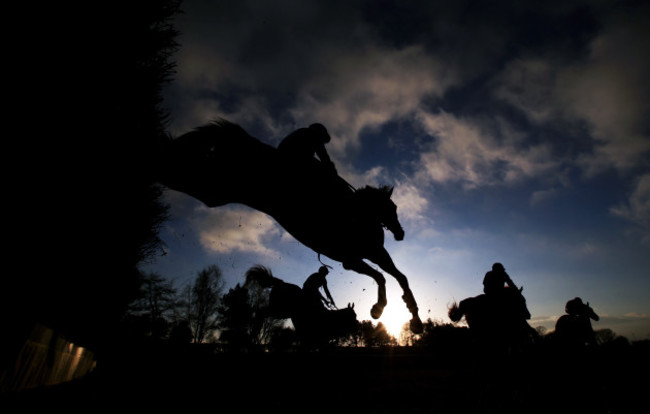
(204, 311)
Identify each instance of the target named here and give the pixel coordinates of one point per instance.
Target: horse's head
(383, 208)
(590, 312)
(522, 304)
(349, 318)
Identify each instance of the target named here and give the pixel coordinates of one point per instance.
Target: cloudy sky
(516, 132)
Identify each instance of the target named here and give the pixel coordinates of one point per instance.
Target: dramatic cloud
(581, 87)
(282, 69)
(529, 85)
(367, 89)
(607, 92)
(411, 203)
(239, 229)
(287, 65)
(473, 153)
(637, 210)
(610, 92)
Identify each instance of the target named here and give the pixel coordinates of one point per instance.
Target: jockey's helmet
(320, 131)
(498, 267)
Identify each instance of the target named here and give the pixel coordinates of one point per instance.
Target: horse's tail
(455, 314)
(262, 276)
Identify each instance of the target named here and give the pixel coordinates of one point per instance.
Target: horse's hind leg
(383, 259)
(362, 267)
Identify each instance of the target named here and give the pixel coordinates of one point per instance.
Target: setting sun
(394, 318)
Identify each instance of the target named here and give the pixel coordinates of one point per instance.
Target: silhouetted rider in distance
(574, 328)
(496, 281)
(314, 299)
(304, 144)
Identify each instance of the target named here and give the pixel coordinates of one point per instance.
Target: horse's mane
(368, 191)
(223, 125)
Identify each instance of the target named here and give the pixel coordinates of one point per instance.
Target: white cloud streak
(607, 92)
(229, 229)
(368, 88)
(467, 151)
(610, 91)
(637, 209)
(411, 203)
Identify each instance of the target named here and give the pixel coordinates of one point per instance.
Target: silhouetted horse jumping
(496, 322)
(220, 163)
(286, 301)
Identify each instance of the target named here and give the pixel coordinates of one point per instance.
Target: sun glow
(394, 319)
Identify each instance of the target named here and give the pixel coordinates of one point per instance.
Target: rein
(321, 262)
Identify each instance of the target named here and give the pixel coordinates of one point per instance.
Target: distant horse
(574, 328)
(286, 301)
(220, 163)
(496, 321)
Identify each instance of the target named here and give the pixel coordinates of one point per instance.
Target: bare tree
(236, 314)
(200, 302)
(371, 335)
(244, 317)
(154, 305)
(262, 325)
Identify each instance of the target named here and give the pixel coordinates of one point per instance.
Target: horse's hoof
(416, 326)
(376, 311)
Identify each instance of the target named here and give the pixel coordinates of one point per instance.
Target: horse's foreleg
(362, 267)
(383, 259)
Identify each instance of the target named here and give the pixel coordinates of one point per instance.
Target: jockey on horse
(499, 288)
(305, 143)
(313, 298)
(496, 279)
(502, 297)
(305, 149)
